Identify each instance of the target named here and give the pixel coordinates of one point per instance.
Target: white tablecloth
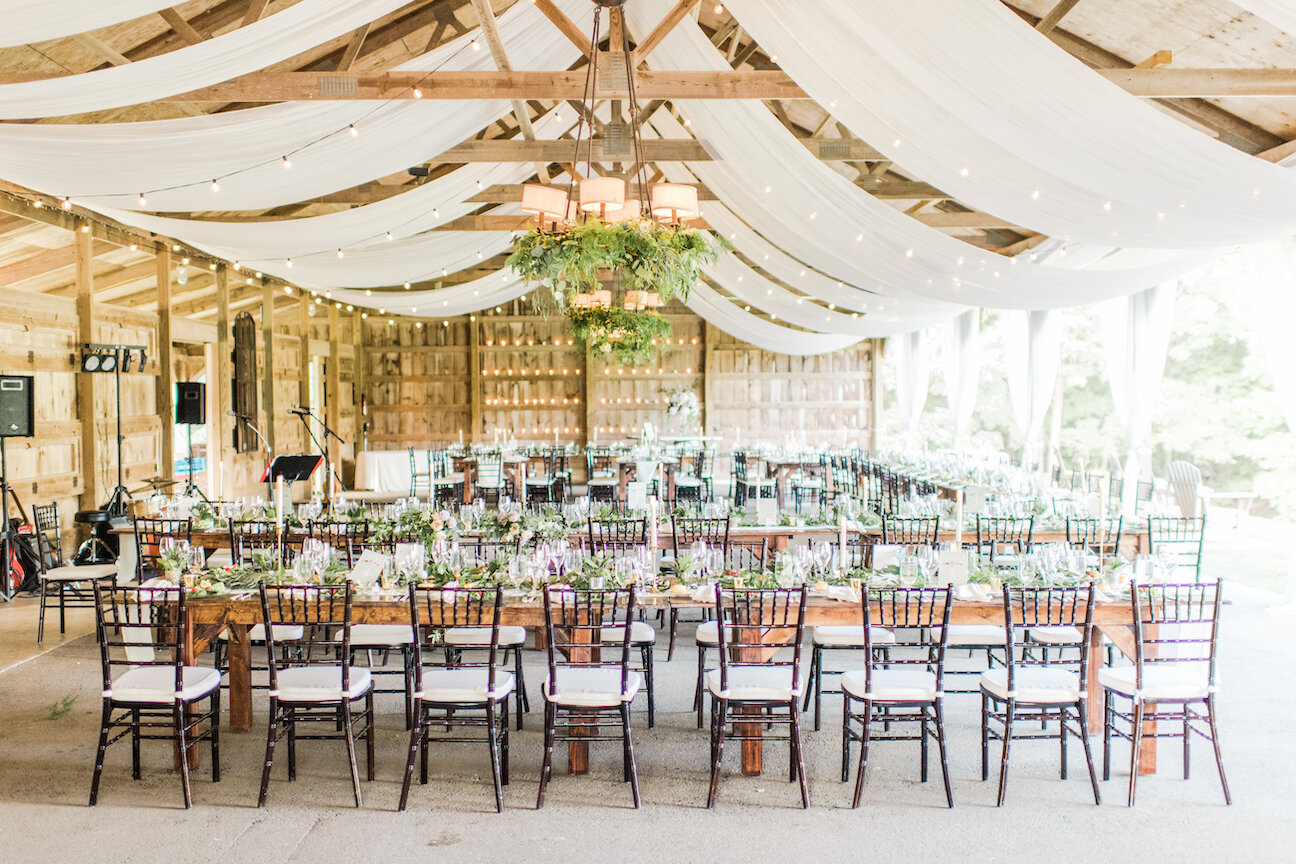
(383, 471)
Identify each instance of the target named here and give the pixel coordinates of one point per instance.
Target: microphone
(299, 409)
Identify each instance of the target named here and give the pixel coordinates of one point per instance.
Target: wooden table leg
(469, 472)
(578, 751)
(239, 656)
(753, 749)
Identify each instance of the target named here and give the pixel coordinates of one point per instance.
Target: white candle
(279, 500)
(461, 436)
(841, 539)
(958, 518)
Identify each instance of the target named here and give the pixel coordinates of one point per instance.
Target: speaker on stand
(17, 420)
(191, 411)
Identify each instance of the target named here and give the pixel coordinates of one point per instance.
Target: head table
(237, 612)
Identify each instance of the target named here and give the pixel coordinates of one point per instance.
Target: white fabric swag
(188, 152)
(1064, 152)
(913, 379)
(1032, 348)
(28, 21)
(963, 370)
(759, 332)
(1136, 337)
(277, 37)
(826, 221)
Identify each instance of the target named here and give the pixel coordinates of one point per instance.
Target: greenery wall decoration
(630, 336)
(645, 255)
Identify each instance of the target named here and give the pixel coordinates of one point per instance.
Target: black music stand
(292, 469)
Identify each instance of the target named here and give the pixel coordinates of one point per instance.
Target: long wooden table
(208, 616)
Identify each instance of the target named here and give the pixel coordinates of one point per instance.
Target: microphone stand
(331, 476)
(247, 421)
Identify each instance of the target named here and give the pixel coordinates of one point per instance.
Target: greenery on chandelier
(631, 336)
(646, 256)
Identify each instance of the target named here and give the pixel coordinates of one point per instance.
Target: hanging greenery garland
(630, 336)
(645, 255)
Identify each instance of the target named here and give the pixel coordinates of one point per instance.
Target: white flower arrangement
(682, 402)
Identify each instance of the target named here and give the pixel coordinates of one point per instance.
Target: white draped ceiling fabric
(28, 21)
(174, 161)
(1063, 151)
(824, 220)
(1136, 337)
(963, 370)
(277, 37)
(1032, 349)
(913, 379)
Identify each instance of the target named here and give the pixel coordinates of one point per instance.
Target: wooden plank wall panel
(627, 396)
(531, 377)
(416, 380)
(772, 396)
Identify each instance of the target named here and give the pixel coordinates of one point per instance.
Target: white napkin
(844, 593)
(973, 592)
(704, 593)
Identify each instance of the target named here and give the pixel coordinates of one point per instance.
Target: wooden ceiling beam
(255, 9)
(529, 84)
(1154, 83)
(180, 25)
(45, 262)
(565, 25)
(668, 23)
(490, 29)
(1055, 15)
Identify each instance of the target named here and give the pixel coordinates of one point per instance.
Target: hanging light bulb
(418, 94)
(354, 132)
(288, 262)
(66, 204)
(390, 237)
(286, 163)
(474, 45)
(340, 253)
(143, 202)
(215, 185)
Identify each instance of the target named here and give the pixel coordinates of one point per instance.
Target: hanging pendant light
(602, 195)
(672, 203)
(547, 203)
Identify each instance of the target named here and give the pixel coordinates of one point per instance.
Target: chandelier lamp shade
(605, 197)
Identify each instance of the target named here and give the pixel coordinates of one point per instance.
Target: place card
(886, 555)
(952, 566)
(369, 567)
(975, 499)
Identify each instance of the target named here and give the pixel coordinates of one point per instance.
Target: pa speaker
(16, 407)
(191, 403)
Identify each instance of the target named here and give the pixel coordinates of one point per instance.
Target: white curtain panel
(767, 335)
(277, 37)
(963, 370)
(913, 378)
(1032, 349)
(784, 192)
(1272, 271)
(491, 290)
(1063, 151)
(1136, 337)
(28, 21)
(180, 157)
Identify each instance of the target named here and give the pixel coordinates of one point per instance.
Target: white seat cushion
(1166, 681)
(79, 574)
(464, 637)
(156, 684)
(849, 636)
(595, 687)
(756, 684)
(321, 683)
(1056, 635)
(602, 481)
(466, 684)
(892, 685)
(1033, 684)
(708, 633)
(379, 634)
(641, 633)
(282, 633)
(977, 635)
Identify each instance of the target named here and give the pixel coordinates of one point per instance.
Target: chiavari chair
(586, 685)
(643, 638)
(148, 542)
(70, 585)
(312, 686)
(747, 690)
(617, 530)
(685, 531)
(342, 536)
(1182, 537)
(911, 531)
(601, 481)
(148, 691)
(904, 682)
(1176, 640)
(1029, 687)
(452, 692)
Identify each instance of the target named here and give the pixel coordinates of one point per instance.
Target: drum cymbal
(151, 483)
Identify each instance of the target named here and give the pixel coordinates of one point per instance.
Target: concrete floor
(45, 766)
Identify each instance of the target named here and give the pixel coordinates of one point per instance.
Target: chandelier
(605, 197)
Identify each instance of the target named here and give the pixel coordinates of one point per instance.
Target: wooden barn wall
(426, 381)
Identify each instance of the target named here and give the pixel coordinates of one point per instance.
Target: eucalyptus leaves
(630, 336)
